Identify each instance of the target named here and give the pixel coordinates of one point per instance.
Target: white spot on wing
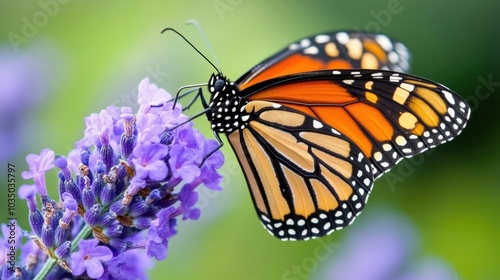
(360, 157)
(305, 43)
(393, 57)
(366, 181)
(311, 50)
(449, 97)
(342, 37)
(384, 42)
(407, 87)
(451, 112)
(320, 39)
(317, 124)
(335, 131)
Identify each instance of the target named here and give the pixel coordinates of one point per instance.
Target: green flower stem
(49, 265)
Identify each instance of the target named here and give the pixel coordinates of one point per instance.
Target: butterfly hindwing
(334, 50)
(389, 115)
(306, 179)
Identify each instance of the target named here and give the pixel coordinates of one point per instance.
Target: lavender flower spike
(122, 191)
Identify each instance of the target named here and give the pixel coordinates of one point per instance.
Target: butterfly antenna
(187, 41)
(198, 26)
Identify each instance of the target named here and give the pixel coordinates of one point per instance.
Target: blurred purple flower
(383, 247)
(24, 83)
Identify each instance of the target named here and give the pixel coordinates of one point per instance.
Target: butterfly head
(227, 107)
(217, 83)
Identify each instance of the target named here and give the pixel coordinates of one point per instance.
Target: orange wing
(388, 115)
(306, 180)
(335, 50)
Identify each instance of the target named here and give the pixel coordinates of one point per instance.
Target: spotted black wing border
(398, 55)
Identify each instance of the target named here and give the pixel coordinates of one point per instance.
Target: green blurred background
(100, 50)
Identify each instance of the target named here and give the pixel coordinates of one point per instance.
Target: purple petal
(39, 163)
(94, 268)
(98, 125)
(150, 95)
(149, 162)
(158, 250)
(158, 170)
(69, 202)
(171, 118)
(136, 184)
(102, 253)
(188, 172)
(77, 265)
(26, 191)
(131, 264)
(74, 160)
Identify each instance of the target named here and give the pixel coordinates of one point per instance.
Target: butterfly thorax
(227, 112)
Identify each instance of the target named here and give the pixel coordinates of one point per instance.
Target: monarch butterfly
(314, 125)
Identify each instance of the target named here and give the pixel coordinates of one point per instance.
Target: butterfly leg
(193, 100)
(216, 135)
(190, 119)
(205, 110)
(178, 96)
(220, 144)
(203, 102)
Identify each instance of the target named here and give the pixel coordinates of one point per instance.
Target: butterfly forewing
(306, 179)
(334, 50)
